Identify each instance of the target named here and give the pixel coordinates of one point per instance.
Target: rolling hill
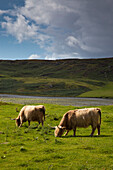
(70, 77)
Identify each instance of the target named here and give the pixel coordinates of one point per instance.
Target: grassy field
(101, 92)
(37, 148)
(75, 78)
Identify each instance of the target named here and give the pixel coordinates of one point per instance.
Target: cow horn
(53, 127)
(13, 119)
(61, 127)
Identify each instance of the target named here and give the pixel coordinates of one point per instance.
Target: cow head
(59, 130)
(18, 121)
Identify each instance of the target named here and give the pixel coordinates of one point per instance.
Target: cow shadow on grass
(86, 136)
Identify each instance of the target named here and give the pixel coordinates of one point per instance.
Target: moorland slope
(71, 77)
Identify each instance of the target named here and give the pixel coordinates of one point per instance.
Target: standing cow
(79, 118)
(31, 113)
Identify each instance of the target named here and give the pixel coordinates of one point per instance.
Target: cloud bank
(64, 29)
(34, 56)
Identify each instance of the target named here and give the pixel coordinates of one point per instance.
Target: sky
(56, 29)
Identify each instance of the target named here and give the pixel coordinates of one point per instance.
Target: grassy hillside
(37, 148)
(85, 78)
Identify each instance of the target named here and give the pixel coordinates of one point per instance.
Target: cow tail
(99, 112)
(44, 113)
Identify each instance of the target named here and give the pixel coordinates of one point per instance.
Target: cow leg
(98, 128)
(21, 122)
(42, 122)
(74, 132)
(93, 130)
(28, 122)
(66, 132)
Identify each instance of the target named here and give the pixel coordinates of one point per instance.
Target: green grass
(101, 92)
(37, 148)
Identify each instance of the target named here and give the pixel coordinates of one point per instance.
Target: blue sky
(55, 29)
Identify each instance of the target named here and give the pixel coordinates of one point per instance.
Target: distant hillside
(73, 77)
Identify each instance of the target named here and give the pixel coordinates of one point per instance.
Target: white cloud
(72, 41)
(51, 57)
(44, 22)
(62, 27)
(3, 12)
(20, 28)
(34, 56)
(56, 56)
(44, 11)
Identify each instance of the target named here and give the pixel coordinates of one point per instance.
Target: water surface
(66, 101)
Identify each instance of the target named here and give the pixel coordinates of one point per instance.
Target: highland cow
(31, 113)
(79, 118)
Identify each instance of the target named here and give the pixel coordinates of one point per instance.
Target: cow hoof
(98, 134)
(91, 135)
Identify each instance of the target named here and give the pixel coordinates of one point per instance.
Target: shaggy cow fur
(31, 113)
(79, 118)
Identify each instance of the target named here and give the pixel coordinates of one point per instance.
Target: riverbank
(66, 101)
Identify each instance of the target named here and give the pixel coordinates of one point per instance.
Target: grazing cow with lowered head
(79, 118)
(31, 113)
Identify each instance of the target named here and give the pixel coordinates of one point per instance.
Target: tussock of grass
(22, 149)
